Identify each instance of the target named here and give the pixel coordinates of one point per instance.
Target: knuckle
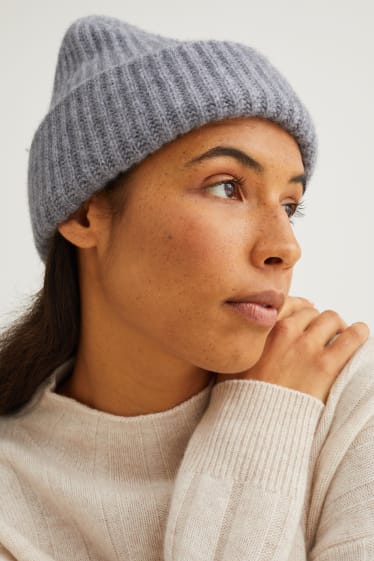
(308, 302)
(358, 331)
(315, 312)
(331, 314)
(303, 300)
(284, 327)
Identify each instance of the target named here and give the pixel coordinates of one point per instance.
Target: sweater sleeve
(346, 526)
(240, 488)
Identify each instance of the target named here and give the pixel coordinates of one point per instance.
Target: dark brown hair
(47, 332)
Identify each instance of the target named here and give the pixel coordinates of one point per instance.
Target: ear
(84, 227)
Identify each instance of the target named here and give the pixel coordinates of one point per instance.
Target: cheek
(175, 259)
(198, 249)
(168, 279)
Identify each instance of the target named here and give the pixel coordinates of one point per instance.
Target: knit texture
(244, 470)
(120, 93)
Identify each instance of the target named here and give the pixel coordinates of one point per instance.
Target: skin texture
(155, 326)
(305, 350)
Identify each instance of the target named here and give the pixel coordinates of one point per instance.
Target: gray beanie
(120, 93)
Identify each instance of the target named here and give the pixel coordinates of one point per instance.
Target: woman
(165, 398)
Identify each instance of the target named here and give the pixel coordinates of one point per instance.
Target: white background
(326, 50)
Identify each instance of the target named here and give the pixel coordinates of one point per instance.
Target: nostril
(272, 260)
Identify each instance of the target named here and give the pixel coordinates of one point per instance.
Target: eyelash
(239, 181)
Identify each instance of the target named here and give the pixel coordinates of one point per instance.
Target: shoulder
(15, 458)
(353, 389)
(13, 440)
(347, 419)
(21, 435)
(350, 404)
(344, 449)
(352, 400)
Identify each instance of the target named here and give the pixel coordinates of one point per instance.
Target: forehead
(250, 130)
(261, 139)
(246, 132)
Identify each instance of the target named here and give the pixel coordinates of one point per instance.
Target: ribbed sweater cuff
(255, 431)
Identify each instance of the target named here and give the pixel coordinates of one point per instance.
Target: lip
(252, 306)
(255, 313)
(270, 298)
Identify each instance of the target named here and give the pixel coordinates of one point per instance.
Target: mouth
(266, 299)
(261, 308)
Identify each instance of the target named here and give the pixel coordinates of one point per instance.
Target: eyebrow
(243, 158)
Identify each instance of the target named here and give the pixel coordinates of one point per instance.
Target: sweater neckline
(46, 396)
(105, 445)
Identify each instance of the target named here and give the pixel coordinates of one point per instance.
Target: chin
(237, 361)
(235, 368)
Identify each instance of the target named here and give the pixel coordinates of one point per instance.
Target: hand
(305, 350)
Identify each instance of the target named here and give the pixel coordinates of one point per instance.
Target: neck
(124, 380)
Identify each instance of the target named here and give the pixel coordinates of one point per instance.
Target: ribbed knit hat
(120, 93)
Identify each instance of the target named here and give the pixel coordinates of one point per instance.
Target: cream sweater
(242, 471)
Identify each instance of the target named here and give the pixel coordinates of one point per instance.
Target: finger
(326, 326)
(346, 344)
(298, 321)
(293, 304)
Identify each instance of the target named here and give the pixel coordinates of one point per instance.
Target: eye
(230, 188)
(294, 209)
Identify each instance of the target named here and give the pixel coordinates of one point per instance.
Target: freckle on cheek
(170, 237)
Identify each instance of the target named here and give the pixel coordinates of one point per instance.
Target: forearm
(240, 488)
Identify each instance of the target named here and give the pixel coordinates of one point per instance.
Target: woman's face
(192, 238)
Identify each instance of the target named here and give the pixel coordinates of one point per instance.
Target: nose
(276, 244)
